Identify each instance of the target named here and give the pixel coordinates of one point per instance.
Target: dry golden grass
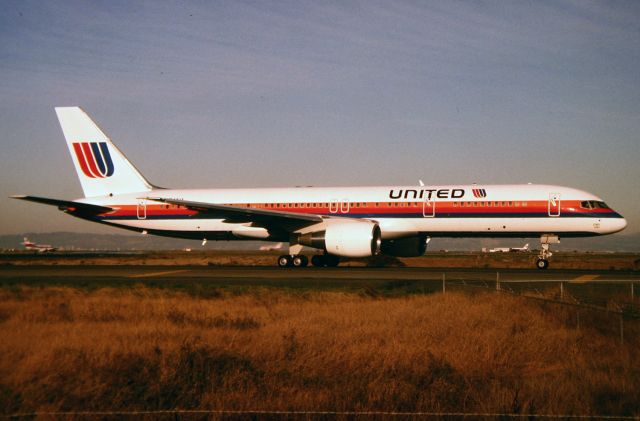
(67, 349)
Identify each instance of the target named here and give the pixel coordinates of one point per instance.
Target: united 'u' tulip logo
(94, 158)
(479, 193)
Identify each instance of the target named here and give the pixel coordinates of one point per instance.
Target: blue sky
(241, 94)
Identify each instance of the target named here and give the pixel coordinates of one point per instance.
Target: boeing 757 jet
(339, 221)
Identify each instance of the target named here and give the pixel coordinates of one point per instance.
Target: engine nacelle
(405, 247)
(346, 239)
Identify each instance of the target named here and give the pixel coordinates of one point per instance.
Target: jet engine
(405, 247)
(346, 238)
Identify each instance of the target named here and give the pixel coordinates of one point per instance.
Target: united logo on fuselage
(94, 159)
(479, 193)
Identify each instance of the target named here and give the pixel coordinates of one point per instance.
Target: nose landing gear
(543, 258)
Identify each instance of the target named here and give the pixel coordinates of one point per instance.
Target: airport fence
(621, 303)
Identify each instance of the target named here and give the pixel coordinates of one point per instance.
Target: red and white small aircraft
(340, 221)
(40, 248)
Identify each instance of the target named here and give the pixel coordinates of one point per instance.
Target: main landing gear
(325, 260)
(296, 260)
(543, 258)
(300, 260)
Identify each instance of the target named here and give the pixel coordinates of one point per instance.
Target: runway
(592, 287)
(274, 275)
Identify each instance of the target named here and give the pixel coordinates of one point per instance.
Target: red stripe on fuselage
(385, 209)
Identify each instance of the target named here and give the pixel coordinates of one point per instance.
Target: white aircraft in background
(40, 248)
(522, 249)
(271, 247)
(340, 221)
(509, 249)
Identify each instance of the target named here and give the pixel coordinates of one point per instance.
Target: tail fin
(101, 167)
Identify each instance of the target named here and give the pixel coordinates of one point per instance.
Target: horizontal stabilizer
(67, 205)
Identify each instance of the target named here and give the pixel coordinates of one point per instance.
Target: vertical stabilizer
(101, 167)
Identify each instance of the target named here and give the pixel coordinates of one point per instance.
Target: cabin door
(141, 210)
(344, 206)
(333, 206)
(554, 204)
(428, 208)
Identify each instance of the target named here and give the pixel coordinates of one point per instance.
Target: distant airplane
(40, 248)
(509, 249)
(341, 221)
(523, 249)
(271, 247)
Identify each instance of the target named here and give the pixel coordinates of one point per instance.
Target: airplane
(40, 248)
(338, 221)
(272, 247)
(522, 249)
(509, 249)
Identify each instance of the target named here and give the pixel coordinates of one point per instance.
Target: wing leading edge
(269, 219)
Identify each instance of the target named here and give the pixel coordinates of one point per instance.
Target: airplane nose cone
(623, 224)
(618, 224)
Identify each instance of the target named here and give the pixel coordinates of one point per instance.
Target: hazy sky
(241, 94)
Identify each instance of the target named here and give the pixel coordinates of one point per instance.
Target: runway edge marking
(150, 275)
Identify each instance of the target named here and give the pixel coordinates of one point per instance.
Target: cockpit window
(593, 204)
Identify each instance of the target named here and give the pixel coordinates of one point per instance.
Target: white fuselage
(401, 211)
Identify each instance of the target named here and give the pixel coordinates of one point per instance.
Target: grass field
(65, 348)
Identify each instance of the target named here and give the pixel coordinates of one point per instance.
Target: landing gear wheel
(317, 260)
(285, 261)
(331, 260)
(542, 263)
(299, 261)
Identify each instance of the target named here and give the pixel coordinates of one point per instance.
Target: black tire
(305, 261)
(285, 261)
(331, 260)
(318, 260)
(299, 261)
(542, 264)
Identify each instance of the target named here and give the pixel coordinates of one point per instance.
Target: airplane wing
(67, 205)
(289, 221)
